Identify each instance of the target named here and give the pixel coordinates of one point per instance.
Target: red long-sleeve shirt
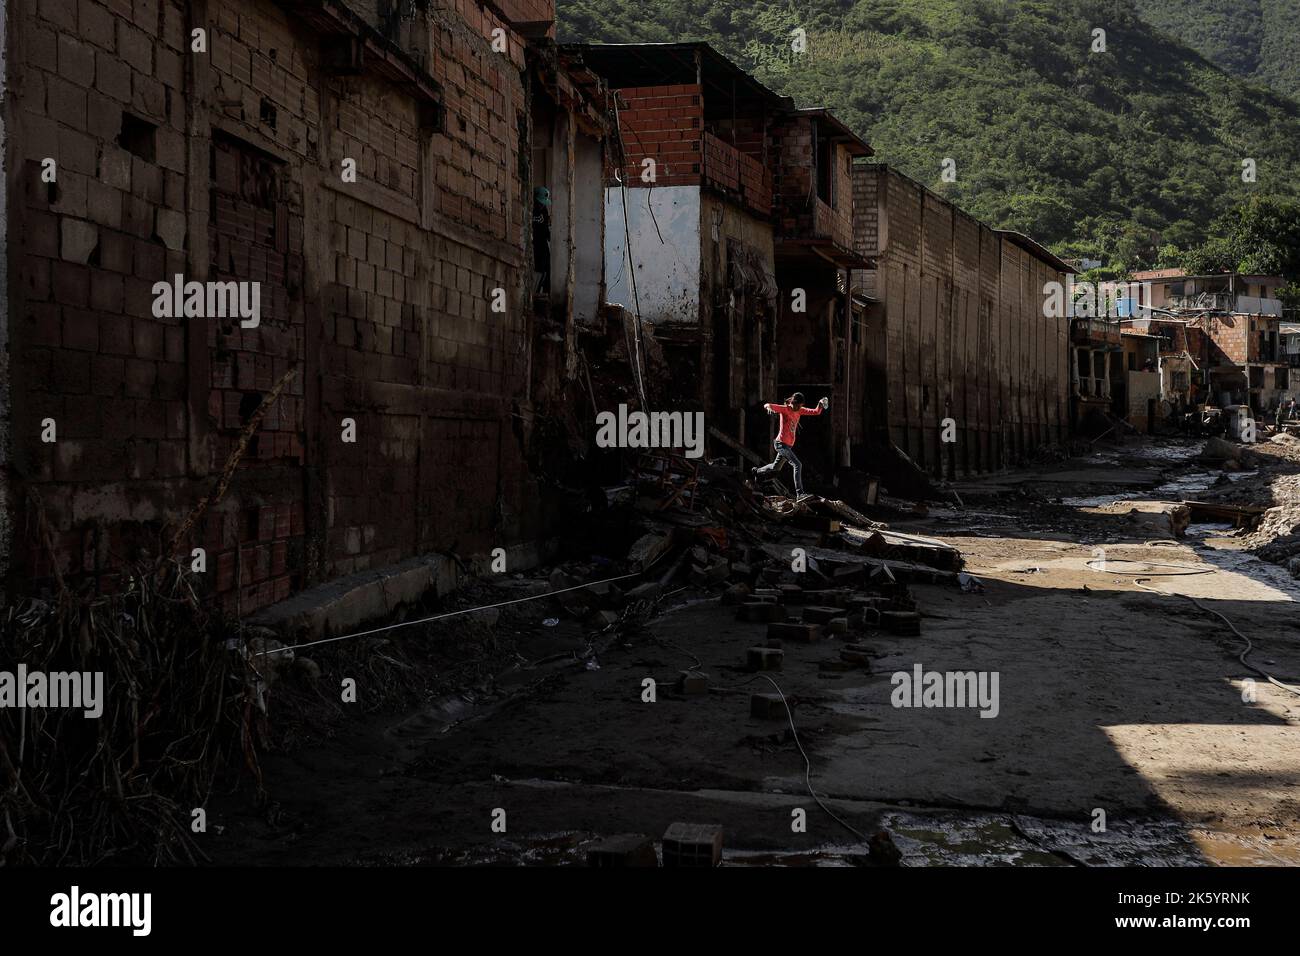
(790, 420)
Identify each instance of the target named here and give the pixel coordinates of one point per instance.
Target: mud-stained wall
(375, 292)
(741, 349)
(662, 230)
(964, 334)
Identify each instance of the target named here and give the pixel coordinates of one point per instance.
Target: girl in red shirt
(790, 413)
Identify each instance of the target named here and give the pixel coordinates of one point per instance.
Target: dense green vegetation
(1255, 39)
(1128, 155)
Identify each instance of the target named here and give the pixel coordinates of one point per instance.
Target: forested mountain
(1255, 39)
(1120, 153)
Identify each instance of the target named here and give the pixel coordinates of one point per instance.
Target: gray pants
(785, 452)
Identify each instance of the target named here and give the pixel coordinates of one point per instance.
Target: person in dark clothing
(542, 237)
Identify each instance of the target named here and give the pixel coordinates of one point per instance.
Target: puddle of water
(970, 839)
(1176, 489)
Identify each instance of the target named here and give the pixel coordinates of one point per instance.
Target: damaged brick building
(371, 168)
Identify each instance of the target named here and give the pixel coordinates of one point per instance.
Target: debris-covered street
(1118, 694)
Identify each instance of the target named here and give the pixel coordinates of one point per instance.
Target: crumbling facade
(822, 350)
(688, 227)
(371, 173)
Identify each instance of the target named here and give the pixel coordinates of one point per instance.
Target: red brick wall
(663, 123)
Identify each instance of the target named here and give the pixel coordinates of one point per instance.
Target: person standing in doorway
(789, 413)
(542, 238)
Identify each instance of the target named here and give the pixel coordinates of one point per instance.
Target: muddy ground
(1116, 694)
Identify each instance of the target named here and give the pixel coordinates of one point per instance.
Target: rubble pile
(805, 568)
(1266, 504)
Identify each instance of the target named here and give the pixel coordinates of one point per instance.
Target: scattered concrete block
(623, 850)
(608, 595)
(764, 658)
(791, 593)
(647, 549)
(791, 631)
(761, 612)
(693, 844)
(693, 683)
(855, 655)
(838, 625)
(818, 614)
(602, 619)
(736, 594)
(767, 707)
(773, 642)
(859, 601)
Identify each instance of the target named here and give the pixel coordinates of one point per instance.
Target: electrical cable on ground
(1250, 646)
(807, 763)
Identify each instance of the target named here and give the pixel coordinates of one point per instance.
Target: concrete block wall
(226, 165)
(1229, 339)
(964, 334)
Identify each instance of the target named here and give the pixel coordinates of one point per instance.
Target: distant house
(1223, 292)
(1138, 395)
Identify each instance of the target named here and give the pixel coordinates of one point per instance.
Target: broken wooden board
(734, 445)
(883, 543)
(1214, 512)
(899, 570)
(648, 549)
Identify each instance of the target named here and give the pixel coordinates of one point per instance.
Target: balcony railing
(1097, 332)
(728, 169)
(833, 225)
(1227, 302)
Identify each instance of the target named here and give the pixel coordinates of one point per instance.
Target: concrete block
(764, 658)
(623, 850)
(818, 614)
(693, 845)
(693, 683)
(760, 612)
(78, 240)
(791, 593)
(838, 625)
(736, 594)
(857, 654)
(791, 631)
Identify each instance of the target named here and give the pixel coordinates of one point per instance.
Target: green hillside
(1255, 39)
(1115, 153)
